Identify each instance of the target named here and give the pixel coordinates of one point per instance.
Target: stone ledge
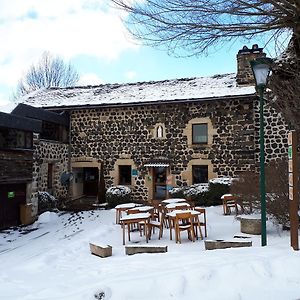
(221, 244)
(130, 250)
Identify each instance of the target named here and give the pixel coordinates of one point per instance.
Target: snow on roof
(129, 93)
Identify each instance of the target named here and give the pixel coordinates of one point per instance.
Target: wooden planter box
(102, 251)
(26, 214)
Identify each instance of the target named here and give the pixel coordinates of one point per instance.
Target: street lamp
(261, 69)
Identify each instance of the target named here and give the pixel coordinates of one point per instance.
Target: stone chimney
(244, 72)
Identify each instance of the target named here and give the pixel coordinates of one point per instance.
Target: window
(159, 132)
(54, 132)
(50, 176)
(125, 175)
(200, 174)
(15, 139)
(199, 132)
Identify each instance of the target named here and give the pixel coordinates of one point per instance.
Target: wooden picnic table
(133, 219)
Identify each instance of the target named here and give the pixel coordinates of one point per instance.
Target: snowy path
(54, 262)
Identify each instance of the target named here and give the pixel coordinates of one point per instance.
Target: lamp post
(261, 68)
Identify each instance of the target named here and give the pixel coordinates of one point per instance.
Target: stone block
(130, 250)
(102, 251)
(251, 226)
(221, 244)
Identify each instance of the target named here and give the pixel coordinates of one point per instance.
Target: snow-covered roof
(140, 92)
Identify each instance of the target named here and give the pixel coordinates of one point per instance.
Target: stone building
(155, 135)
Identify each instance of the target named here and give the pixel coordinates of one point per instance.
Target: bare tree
(198, 25)
(285, 85)
(50, 71)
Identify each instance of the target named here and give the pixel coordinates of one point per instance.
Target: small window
(15, 139)
(200, 135)
(200, 174)
(125, 175)
(160, 132)
(50, 176)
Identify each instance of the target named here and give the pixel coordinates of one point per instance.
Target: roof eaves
(19, 122)
(157, 102)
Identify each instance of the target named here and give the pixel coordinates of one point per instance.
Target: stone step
(133, 249)
(221, 244)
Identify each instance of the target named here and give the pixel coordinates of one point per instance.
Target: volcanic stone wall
(48, 152)
(110, 134)
(276, 132)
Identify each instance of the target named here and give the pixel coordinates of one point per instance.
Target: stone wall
(113, 134)
(46, 152)
(276, 133)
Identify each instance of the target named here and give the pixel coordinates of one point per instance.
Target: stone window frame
(115, 173)
(199, 143)
(154, 132)
(188, 132)
(187, 175)
(193, 168)
(50, 175)
(119, 172)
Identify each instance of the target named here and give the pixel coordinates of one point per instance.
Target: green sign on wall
(10, 195)
(290, 152)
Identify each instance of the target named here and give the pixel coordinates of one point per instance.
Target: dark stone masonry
(110, 134)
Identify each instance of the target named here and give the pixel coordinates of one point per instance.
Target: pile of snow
(48, 217)
(222, 180)
(119, 190)
(54, 262)
(196, 189)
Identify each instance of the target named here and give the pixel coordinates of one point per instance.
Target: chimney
(244, 73)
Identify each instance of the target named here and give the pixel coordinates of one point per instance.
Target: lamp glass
(261, 73)
(261, 70)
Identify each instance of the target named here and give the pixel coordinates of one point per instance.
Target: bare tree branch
(49, 72)
(197, 25)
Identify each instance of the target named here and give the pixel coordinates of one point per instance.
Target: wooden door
(159, 183)
(91, 181)
(11, 196)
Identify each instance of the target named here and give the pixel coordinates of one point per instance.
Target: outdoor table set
(174, 213)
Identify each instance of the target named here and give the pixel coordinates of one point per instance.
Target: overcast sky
(90, 35)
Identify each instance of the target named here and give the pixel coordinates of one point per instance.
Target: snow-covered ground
(54, 262)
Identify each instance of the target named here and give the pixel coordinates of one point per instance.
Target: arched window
(159, 131)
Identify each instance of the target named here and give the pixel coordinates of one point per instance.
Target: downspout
(69, 157)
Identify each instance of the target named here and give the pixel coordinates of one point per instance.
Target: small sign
(290, 152)
(134, 172)
(10, 195)
(291, 193)
(290, 138)
(291, 179)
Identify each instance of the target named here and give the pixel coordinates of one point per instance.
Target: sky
(91, 36)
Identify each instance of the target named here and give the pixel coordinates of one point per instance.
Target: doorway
(159, 183)
(11, 197)
(91, 181)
